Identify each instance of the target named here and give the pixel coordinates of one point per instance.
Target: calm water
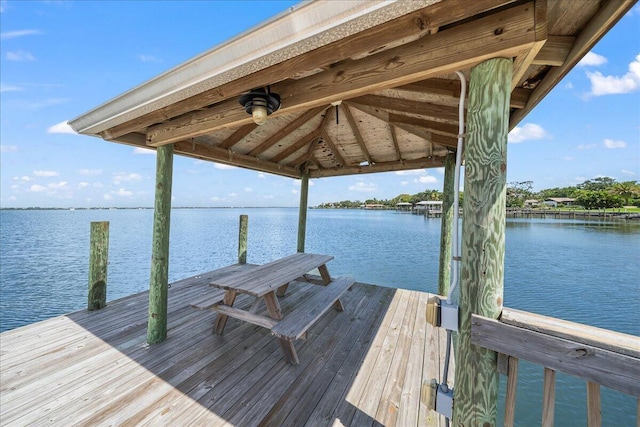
(587, 272)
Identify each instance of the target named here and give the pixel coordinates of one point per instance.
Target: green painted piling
(242, 239)
(159, 280)
(98, 261)
(482, 266)
(448, 190)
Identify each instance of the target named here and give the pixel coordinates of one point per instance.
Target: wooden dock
(363, 366)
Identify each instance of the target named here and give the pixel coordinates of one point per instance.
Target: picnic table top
(268, 277)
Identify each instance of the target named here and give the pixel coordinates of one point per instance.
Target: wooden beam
(304, 157)
(429, 125)
(159, 280)
(408, 27)
(526, 56)
(426, 109)
(394, 138)
(610, 13)
(305, 140)
(327, 139)
(555, 51)
(589, 362)
(451, 88)
(208, 152)
(483, 234)
(357, 134)
(237, 136)
(548, 397)
(422, 163)
(452, 49)
(98, 265)
(283, 132)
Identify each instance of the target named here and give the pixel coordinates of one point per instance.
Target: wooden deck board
(362, 366)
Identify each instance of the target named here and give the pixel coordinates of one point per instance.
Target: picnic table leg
(221, 320)
(273, 307)
(282, 289)
(324, 272)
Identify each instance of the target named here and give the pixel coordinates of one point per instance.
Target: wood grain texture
(302, 213)
(243, 231)
(594, 405)
(482, 268)
(548, 397)
(510, 398)
(98, 263)
(159, 280)
(448, 190)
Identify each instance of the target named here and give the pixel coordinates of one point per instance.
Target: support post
(98, 261)
(482, 267)
(302, 216)
(159, 280)
(448, 190)
(242, 239)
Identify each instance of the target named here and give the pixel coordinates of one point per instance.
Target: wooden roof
(395, 79)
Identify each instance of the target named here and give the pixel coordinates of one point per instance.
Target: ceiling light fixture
(260, 103)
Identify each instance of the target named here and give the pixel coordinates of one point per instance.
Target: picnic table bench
(269, 281)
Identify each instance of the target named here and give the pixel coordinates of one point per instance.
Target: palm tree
(627, 190)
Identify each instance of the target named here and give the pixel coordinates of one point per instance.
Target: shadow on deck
(363, 366)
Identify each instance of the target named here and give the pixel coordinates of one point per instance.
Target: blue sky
(62, 58)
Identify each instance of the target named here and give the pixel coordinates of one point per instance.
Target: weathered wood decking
(362, 366)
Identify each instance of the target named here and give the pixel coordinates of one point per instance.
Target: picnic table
(269, 281)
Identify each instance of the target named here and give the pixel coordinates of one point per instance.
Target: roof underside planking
(391, 64)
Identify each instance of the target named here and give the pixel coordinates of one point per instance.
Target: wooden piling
(159, 280)
(482, 267)
(242, 239)
(98, 261)
(302, 216)
(448, 190)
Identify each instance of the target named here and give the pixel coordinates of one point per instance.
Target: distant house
(373, 206)
(531, 203)
(429, 205)
(404, 207)
(559, 201)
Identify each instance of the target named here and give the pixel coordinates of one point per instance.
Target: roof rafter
(429, 125)
(327, 139)
(454, 48)
(379, 167)
(409, 106)
(305, 140)
(356, 132)
(237, 136)
(524, 59)
(394, 138)
(283, 132)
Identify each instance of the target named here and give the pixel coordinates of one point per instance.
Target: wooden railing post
(98, 261)
(242, 239)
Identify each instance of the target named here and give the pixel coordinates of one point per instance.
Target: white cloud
(592, 59)
(294, 191)
(45, 173)
(8, 148)
(426, 180)
(608, 85)
(20, 33)
(363, 187)
(528, 132)
(9, 88)
(233, 194)
(140, 150)
(124, 193)
(37, 188)
(586, 146)
(267, 197)
(119, 177)
(626, 172)
(611, 144)
(248, 189)
(261, 176)
(20, 55)
(568, 158)
(411, 172)
(223, 166)
(568, 85)
(440, 171)
(107, 197)
(58, 185)
(62, 127)
(404, 182)
(90, 172)
(83, 184)
(216, 199)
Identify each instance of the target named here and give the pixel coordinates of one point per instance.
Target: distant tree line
(597, 193)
